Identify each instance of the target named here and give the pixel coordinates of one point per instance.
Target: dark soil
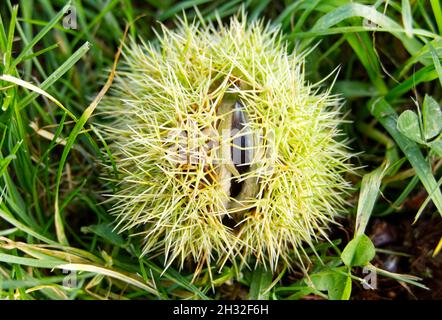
(417, 241)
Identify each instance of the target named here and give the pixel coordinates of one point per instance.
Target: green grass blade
(367, 12)
(30, 231)
(261, 280)
(370, 185)
(110, 273)
(177, 278)
(48, 27)
(180, 6)
(10, 40)
(59, 227)
(50, 263)
(425, 74)
(407, 18)
(57, 74)
(436, 61)
(437, 11)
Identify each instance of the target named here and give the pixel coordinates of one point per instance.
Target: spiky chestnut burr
(223, 150)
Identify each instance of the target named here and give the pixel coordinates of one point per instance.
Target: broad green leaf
(358, 252)
(432, 118)
(322, 280)
(436, 146)
(408, 125)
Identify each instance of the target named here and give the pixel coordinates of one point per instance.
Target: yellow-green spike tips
(224, 152)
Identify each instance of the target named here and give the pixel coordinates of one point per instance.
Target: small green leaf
(341, 288)
(408, 125)
(335, 281)
(436, 146)
(322, 280)
(358, 252)
(432, 117)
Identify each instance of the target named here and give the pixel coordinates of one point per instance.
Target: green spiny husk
(168, 109)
